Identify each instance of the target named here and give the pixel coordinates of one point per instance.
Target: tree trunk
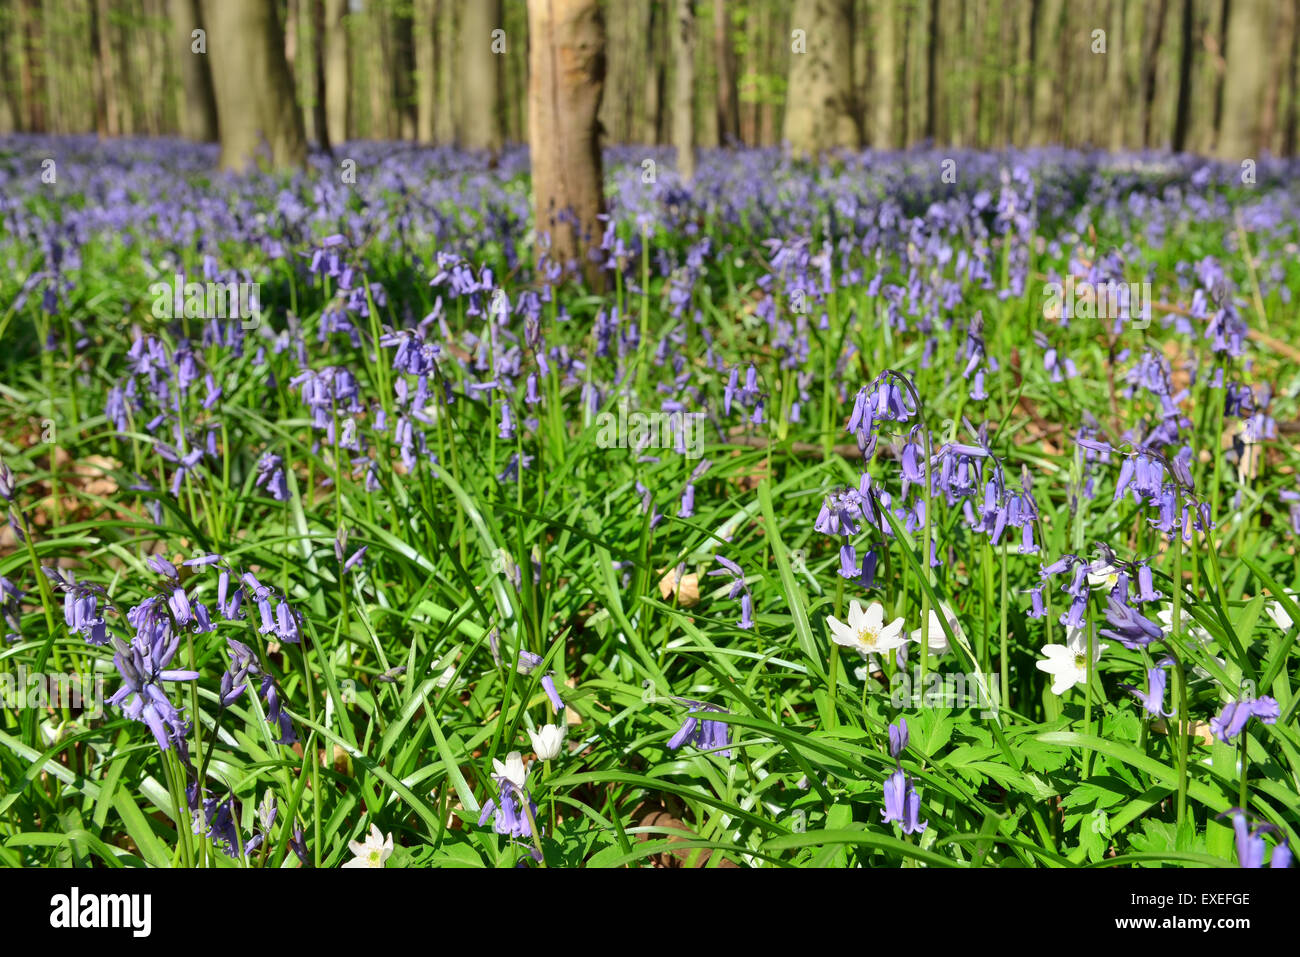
(1046, 67)
(653, 122)
(445, 126)
(1293, 107)
(256, 109)
(1268, 121)
(1150, 62)
(885, 79)
(319, 80)
(724, 55)
(566, 80)
(683, 45)
(481, 74)
(32, 73)
(198, 106)
(1221, 69)
(1182, 119)
(334, 40)
(1115, 43)
(9, 109)
(1242, 136)
(426, 68)
(819, 111)
(932, 75)
(403, 70)
(378, 77)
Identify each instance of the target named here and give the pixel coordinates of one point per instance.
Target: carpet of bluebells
(924, 566)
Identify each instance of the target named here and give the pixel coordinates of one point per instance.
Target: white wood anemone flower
(1103, 574)
(513, 770)
(1279, 614)
(548, 741)
(938, 637)
(1068, 663)
(866, 631)
(373, 851)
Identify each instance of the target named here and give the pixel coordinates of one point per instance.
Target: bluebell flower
(1153, 701)
(1129, 626)
(1230, 722)
(898, 738)
(902, 804)
(704, 733)
(142, 696)
(1251, 848)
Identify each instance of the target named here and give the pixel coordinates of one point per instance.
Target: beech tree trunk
(256, 109)
(819, 112)
(32, 73)
(480, 74)
(683, 42)
(338, 98)
(652, 131)
(1047, 65)
(426, 68)
(444, 117)
(198, 106)
(885, 79)
(1186, 50)
(566, 60)
(403, 70)
(1242, 135)
(724, 55)
(320, 118)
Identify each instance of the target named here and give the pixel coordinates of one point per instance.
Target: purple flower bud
(898, 738)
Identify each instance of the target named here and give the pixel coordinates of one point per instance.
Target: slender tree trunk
(885, 84)
(1268, 119)
(403, 69)
(653, 128)
(1293, 106)
(334, 41)
(10, 119)
(1186, 51)
(1150, 63)
(426, 69)
(198, 105)
(1003, 108)
(932, 75)
(1249, 26)
(1046, 70)
(319, 80)
(819, 111)
(905, 123)
(379, 78)
(481, 73)
(1221, 68)
(127, 75)
(683, 44)
(32, 73)
(256, 109)
(724, 55)
(566, 80)
(445, 122)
